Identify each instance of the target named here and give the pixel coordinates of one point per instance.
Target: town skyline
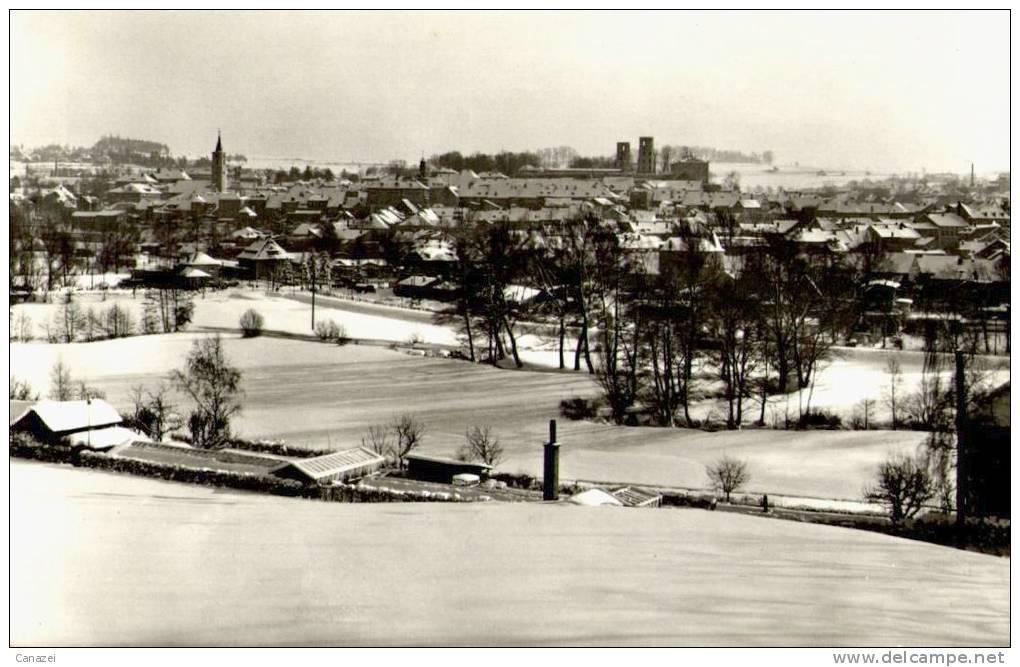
(342, 89)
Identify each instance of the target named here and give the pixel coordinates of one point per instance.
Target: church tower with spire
(219, 166)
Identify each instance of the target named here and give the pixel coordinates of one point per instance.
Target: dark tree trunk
(563, 333)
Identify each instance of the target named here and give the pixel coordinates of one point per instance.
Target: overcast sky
(897, 91)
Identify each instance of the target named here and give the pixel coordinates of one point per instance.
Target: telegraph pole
(962, 455)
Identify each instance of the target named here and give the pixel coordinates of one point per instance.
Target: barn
(336, 467)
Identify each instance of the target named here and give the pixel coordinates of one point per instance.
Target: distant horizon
(900, 91)
(298, 161)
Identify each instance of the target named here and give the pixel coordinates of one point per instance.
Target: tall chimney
(971, 174)
(551, 469)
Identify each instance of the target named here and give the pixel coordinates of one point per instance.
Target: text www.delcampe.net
(919, 658)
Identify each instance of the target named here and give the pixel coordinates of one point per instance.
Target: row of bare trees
(404, 433)
(44, 253)
(646, 323)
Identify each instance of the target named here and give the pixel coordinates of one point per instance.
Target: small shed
(336, 467)
(204, 263)
(437, 469)
(195, 278)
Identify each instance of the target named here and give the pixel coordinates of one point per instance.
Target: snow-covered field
(112, 560)
(318, 394)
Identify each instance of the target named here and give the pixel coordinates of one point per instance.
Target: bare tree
(480, 444)
(117, 321)
(215, 387)
(152, 410)
(728, 474)
(931, 406)
(619, 324)
(61, 383)
(70, 319)
(85, 392)
(379, 440)
(894, 390)
(864, 414)
(903, 484)
(21, 329)
(675, 314)
(21, 390)
(167, 308)
(734, 325)
(92, 326)
(408, 433)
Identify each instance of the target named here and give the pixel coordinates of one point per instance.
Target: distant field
(111, 559)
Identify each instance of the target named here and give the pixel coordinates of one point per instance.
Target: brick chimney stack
(551, 467)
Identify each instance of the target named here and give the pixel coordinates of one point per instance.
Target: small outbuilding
(437, 469)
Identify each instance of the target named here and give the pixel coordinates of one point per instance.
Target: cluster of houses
(394, 230)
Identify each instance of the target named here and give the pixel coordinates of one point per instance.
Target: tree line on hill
(505, 162)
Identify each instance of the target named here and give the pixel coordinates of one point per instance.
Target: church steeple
(218, 177)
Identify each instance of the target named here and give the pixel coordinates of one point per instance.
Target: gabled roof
(68, 416)
(202, 259)
(247, 233)
(264, 249)
(18, 409)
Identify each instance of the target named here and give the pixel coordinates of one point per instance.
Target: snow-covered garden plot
(282, 571)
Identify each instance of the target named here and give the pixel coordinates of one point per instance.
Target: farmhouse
(93, 423)
(336, 467)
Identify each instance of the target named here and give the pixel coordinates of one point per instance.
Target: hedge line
(985, 535)
(278, 447)
(176, 473)
(26, 447)
(681, 499)
(361, 493)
